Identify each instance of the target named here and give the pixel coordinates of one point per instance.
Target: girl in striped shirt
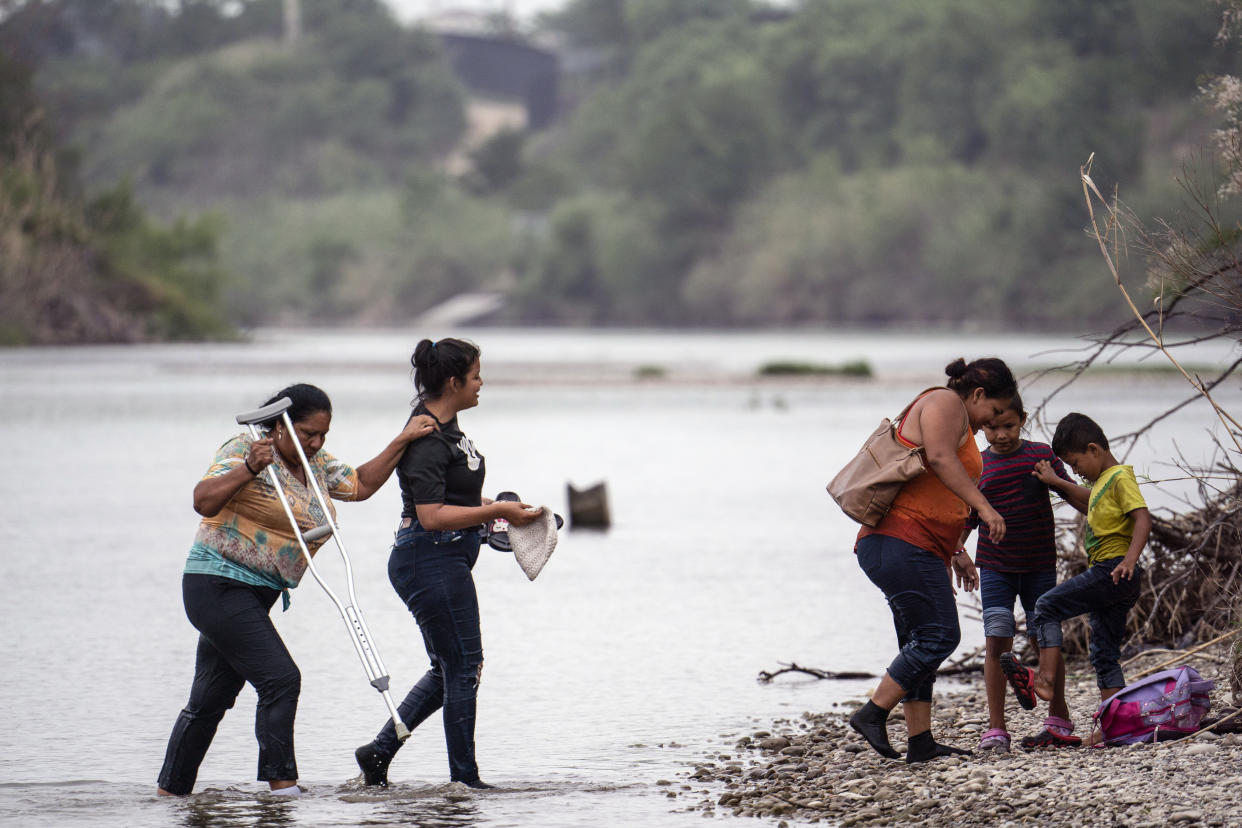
(1022, 566)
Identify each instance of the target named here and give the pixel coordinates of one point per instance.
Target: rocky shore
(817, 770)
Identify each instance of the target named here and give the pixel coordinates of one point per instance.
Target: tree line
(716, 162)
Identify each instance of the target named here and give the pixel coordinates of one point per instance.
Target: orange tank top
(925, 513)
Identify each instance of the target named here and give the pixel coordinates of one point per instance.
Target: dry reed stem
(1182, 654)
(1088, 187)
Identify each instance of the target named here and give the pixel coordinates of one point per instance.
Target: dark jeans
(431, 573)
(1092, 592)
(997, 592)
(920, 595)
(237, 644)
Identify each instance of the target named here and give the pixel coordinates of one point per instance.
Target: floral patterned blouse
(252, 529)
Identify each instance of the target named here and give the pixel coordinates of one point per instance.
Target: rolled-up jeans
(920, 595)
(1107, 603)
(997, 592)
(431, 572)
(237, 644)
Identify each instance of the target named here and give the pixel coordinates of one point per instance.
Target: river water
(633, 655)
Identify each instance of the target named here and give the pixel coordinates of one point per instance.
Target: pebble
(815, 769)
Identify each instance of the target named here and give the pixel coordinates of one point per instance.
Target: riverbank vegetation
(713, 163)
(78, 268)
(1190, 260)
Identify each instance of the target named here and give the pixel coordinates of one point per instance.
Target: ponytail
(435, 363)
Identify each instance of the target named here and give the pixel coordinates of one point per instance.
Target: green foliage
(934, 244)
(863, 161)
(496, 163)
(377, 256)
(720, 161)
(169, 272)
(784, 368)
(95, 271)
(353, 106)
(602, 259)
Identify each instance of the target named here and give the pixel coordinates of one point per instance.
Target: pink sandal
(1051, 738)
(996, 739)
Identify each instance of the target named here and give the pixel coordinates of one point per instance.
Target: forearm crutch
(350, 612)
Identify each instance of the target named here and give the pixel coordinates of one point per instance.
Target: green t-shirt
(1109, 525)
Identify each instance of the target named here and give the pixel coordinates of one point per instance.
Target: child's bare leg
(1096, 736)
(1057, 705)
(994, 681)
(1050, 664)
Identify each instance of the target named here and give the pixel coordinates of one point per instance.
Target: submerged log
(588, 508)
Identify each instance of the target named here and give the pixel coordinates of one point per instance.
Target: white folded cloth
(534, 543)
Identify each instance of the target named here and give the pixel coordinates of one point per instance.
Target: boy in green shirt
(1118, 525)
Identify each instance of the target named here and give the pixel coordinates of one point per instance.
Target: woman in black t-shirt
(437, 544)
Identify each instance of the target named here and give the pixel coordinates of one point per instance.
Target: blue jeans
(237, 643)
(1092, 592)
(920, 596)
(998, 590)
(431, 573)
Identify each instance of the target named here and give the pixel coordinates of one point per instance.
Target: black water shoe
(374, 765)
(869, 721)
(922, 748)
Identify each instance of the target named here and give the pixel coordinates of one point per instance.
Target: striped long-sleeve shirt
(1024, 503)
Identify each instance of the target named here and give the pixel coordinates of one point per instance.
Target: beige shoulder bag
(866, 488)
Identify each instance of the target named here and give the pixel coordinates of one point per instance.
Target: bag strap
(901, 417)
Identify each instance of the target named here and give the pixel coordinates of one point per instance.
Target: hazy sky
(410, 9)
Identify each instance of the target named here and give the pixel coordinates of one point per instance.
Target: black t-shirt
(442, 467)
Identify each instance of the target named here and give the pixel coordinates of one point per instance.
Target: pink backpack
(1171, 701)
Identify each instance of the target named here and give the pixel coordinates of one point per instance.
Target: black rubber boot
(923, 747)
(870, 722)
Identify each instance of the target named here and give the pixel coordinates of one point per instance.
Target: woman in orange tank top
(909, 553)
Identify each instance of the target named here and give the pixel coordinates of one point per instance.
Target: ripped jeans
(431, 572)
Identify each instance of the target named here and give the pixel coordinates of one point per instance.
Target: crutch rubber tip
(403, 732)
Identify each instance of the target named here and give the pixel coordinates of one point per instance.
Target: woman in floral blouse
(244, 557)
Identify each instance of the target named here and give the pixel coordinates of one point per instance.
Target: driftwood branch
(765, 677)
(965, 664)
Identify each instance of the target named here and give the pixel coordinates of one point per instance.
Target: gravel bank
(817, 770)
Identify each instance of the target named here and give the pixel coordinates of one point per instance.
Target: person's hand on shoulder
(419, 426)
(1043, 471)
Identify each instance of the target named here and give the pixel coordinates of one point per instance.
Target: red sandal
(1049, 738)
(1021, 679)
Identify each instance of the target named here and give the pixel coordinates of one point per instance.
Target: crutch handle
(317, 533)
(267, 412)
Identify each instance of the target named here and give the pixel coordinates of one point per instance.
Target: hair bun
(956, 368)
